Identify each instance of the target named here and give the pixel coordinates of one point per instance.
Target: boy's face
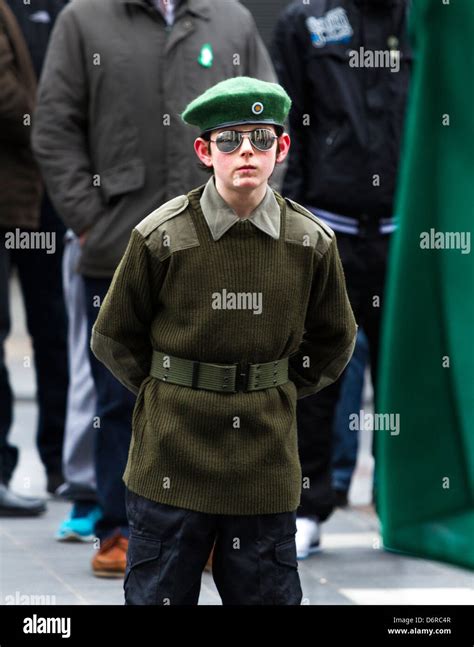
(246, 168)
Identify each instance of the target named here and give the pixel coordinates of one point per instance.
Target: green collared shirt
(220, 217)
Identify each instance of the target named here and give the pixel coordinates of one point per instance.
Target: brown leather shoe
(111, 559)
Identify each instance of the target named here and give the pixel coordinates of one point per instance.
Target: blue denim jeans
(114, 412)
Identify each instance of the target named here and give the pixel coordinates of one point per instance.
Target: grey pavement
(352, 568)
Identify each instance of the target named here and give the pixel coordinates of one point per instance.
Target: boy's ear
(202, 148)
(284, 143)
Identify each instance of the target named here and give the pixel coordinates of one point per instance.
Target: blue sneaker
(79, 528)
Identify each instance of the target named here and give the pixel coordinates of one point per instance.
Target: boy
(227, 306)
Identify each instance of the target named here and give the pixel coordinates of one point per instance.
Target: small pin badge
(206, 55)
(392, 42)
(257, 108)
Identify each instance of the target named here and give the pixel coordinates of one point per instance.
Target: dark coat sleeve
(287, 47)
(16, 99)
(60, 128)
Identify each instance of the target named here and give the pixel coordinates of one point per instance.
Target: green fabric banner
(425, 474)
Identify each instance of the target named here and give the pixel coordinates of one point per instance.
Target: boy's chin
(248, 182)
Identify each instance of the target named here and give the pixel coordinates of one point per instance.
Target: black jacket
(36, 22)
(346, 121)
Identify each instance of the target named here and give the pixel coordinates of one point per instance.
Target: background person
(24, 206)
(346, 125)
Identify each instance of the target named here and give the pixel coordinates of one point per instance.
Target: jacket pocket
(122, 178)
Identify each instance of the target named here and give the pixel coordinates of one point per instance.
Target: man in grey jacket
(112, 147)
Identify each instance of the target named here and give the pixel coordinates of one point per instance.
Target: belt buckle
(241, 377)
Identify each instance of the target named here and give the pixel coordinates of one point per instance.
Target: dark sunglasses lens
(262, 139)
(228, 141)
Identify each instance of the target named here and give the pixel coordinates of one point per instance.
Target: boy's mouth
(247, 168)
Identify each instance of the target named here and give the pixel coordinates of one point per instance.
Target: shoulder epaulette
(165, 233)
(306, 229)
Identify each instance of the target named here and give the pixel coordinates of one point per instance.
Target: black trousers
(40, 276)
(364, 261)
(254, 559)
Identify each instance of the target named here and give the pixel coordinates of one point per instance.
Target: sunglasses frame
(248, 134)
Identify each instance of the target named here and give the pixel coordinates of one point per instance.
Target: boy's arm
(121, 334)
(330, 329)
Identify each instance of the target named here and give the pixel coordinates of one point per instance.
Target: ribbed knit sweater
(217, 452)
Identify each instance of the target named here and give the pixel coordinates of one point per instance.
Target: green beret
(240, 100)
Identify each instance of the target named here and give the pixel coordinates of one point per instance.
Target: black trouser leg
(8, 453)
(254, 555)
(40, 275)
(364, 262)
(167, 551)
(371, 320)
(254, 560)
(315, 417)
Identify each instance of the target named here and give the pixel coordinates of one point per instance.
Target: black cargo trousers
(254, 560)
(364, 260)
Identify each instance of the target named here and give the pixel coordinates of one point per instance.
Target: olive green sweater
(215, 452)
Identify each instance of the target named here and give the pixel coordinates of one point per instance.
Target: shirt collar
(220, 217)
(201, 8)
(167, 9)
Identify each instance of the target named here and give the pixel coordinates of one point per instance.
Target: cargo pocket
(287, 584)
(142, 573)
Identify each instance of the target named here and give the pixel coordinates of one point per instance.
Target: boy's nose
(246, 146)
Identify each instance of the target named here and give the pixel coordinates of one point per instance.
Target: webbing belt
(230, 378)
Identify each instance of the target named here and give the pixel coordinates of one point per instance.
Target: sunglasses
(229, 141)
